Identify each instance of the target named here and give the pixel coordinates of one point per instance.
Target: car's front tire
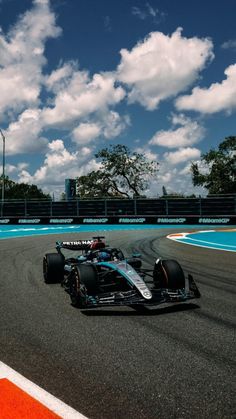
(53, 268)
(83, 281)
(168, 274)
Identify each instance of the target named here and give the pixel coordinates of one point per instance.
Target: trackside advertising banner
(158, 220)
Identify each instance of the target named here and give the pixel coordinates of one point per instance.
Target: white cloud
(86, 132)
(106, 124)
(58, 165)
(176, 178)
(12, 169)
(149, 154)
(189, 133)
(218, 97)
(148, 11)
(82, 97)
(182, 155)
(141, 14)
(162, 66)
(114, 124)
(23, 135)
(230, 44)
(22, 59)
(60, 77)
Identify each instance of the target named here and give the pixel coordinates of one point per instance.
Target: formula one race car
(97, 275)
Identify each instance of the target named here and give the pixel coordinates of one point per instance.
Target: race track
(170, 362)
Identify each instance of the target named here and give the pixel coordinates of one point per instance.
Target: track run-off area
(174, 361)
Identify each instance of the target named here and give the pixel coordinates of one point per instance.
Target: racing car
(97, 275)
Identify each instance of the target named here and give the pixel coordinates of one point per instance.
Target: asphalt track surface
(169, 362)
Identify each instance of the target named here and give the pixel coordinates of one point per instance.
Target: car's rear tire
(136, 263)
(53, 268)
(168, 274)
(83, 275)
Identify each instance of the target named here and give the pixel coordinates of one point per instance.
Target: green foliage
(13, 190)
(122, 174)
(221, 169)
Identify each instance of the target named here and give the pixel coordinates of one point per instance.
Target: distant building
(70, 189)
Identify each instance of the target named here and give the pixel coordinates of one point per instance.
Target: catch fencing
(212, 206)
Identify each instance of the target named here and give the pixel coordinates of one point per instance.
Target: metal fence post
(167, 207)
(105, 207)
(135, 206)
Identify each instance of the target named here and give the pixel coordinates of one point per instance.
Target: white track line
(51, 402)
(214, 243)
(181, 239)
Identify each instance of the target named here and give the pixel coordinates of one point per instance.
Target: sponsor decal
(77, 243)
(29, 221)
(214, 220)
(135, 279)
(132, 220)
(5, 221)
(171, 220)
(61, 220)
(95, 220)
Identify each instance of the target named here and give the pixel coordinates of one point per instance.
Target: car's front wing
(133, 297)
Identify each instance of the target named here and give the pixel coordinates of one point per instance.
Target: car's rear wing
(75, 245)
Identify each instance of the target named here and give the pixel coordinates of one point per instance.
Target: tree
(122, 174)
(95, 184)
(14, 190)
(221, 166)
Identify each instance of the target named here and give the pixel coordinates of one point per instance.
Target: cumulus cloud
(114, 124)
(182, 155)
(218, 97)
(22, 57)
(86, 132)
(108, 125)
(189, 133)
(149, 154)
(82, 97)
(23, 135)
(174, 173)
(60, 77)
(59, 164)
(13, 170)
(83, 105)
(162, 66)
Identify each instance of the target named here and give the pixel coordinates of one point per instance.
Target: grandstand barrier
(121, 220)
(210, 210)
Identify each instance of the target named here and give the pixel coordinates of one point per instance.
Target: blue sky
(78, 75)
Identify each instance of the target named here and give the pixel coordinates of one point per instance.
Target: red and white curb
(20, 398)
(179, 236)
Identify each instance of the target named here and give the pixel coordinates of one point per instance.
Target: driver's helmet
(103, 256)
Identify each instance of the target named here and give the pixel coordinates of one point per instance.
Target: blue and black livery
(96, 275)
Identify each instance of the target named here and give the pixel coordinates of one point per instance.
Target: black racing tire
(83, 275)
(53, 268)
(89, 277)
(136, 263)
(168, 274)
